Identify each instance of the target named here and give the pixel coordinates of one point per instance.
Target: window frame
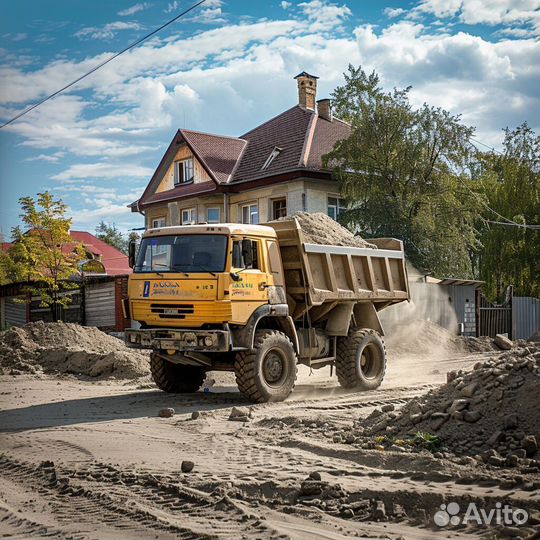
(219, 214)
(181, 165)
(339, 207)
(273, 208)
(193, 211)
(160, 218)
(250, 213)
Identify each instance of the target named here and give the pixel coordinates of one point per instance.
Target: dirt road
(82, 459)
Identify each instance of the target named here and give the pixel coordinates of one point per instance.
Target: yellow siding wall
(168, 179)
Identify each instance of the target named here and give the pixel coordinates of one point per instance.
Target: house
(271, 171)
(96, 301)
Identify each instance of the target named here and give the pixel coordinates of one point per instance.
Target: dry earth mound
(318, 228)
(492, 410)
(68, 348)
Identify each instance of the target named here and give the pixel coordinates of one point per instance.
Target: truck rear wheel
(268, 372)
(361, 360)
(175, 378)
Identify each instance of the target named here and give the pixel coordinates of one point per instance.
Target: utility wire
(523, 225)
(94, 69)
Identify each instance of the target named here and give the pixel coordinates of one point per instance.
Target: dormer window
(273, 155)
(183, 171)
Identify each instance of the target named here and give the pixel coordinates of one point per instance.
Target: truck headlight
(208, 341)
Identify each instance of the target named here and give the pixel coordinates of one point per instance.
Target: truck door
(247, 263)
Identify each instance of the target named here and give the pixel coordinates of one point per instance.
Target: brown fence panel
(493, 319)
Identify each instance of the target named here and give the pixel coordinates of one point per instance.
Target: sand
(68, 348)
(318, 228)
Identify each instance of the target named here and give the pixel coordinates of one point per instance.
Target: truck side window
(238, 260)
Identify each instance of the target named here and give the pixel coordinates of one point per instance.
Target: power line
(513, 224)
(94, 69)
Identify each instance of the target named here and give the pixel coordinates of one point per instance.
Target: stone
(166, 413)
(530, 445)
(510, 421)
(495, 438)
(379, 511)
(497, 461)
(415, 418)
(469, 390)
(187, 466)
(519, 453)
(503, 342)
(458, 405)
(388, 407)
(195, 415)
(512, 460)
(315, 476)
(471, 416)
(438, 419)
(451, 376)
(240, 414)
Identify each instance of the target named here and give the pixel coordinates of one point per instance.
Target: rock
(469, 390)
(503, 342)
(438, 419)
(530, 445)
(166, 413)
(512, 460)
(415, 418)
(451, 376)
(471, 416)
(458, 405)
(195, 415)
(488, 454)
(519, 453)
(388, 407)
(315, 476)
(497, 461)
(379, 511)
(187, 466)
(240, 414)
(510, 421)
(495, 438)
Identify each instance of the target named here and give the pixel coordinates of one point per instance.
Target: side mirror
(132, 250)
(247, 252)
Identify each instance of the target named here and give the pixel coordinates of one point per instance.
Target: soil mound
(318, 228)
(494, 408)
(68, 348)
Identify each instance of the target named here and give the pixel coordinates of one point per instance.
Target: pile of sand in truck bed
(492, 410)
(68, 348)
(318, 228)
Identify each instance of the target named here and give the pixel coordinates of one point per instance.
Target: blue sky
(226, 68)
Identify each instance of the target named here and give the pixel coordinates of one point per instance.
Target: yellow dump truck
(257, 300)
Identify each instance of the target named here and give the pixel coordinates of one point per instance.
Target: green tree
(45, 254)
(109, 233)
(403, 172)
(510, 255)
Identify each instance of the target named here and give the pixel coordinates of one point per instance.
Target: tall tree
(403, 172)
(45, 254)
(510, 254)
(109, 233)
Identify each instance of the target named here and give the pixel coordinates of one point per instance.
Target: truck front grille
(172, 311)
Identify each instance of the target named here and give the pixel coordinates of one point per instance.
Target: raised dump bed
(323, 276)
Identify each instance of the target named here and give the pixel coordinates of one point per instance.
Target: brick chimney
(324, 109)
(307, 90)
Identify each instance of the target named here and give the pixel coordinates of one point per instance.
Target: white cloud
(134, 9)
(324, 15)
(393, 12)
(172, 6)
(108, 31)
(103, 170)
(285, 5)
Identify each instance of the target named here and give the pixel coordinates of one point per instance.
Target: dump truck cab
(257, 300)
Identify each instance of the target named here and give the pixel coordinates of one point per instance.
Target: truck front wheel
(361, 360)
(175, 378)
(268, 371)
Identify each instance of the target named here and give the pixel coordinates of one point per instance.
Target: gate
(493, 319)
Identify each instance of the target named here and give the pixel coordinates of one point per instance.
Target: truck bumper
(179, 340)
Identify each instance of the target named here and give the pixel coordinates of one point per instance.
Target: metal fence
(525, 317)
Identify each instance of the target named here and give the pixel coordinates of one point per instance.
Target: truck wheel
(361, 360)
(175, 378)
(268, 372)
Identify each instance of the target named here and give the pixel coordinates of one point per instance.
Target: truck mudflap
(179, 340)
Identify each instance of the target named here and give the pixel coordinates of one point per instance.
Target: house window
(183, 171)
(189, 216)
(213, 215)
(158, 223)
(336, 206)
(273, 155)
(250, 214)
(279, 208)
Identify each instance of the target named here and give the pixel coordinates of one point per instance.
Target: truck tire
(361, 360)
(175, 378)
(268, 371)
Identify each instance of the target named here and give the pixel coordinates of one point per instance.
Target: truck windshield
(188, 253)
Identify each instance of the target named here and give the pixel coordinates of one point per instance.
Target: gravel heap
(40, 347)
(493, 410)
(318, 228)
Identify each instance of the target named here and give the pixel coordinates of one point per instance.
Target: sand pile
(68, 348)
(493, 409)
(318, 228)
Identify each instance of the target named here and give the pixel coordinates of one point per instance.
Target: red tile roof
(115, 262)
